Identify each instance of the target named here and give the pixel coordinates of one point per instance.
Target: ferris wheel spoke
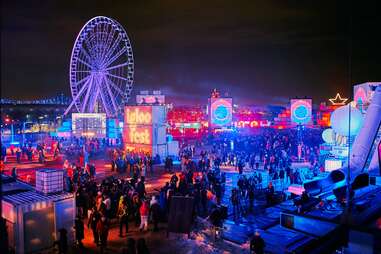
(85, 63)
(75, 99)
(116, 76)
(88, 57)
(109, 39)
(116, 56)
(106, 35)
(99, 41)
(90, 47)
(110, 94)
(116, 66)
(110, 52)
(105, 104)
(87, 93)
(94, 98)
(88, 71)
(93, 48)
(115, 87)
(77, 83)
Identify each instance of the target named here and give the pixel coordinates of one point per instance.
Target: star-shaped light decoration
(338, 101)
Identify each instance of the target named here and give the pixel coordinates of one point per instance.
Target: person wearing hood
(155, 213)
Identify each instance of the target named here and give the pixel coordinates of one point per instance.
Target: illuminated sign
(89, 124)
(150, 99)
(221, 112)
(138, 115)
(338, 101)
(251, 124)
(112, 128)
(137, 125)
(138, 135)
(332, 164)
(188, 125)
(301, 111)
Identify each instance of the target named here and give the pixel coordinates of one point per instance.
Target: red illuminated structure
(323, 115)
(187, 122)
(283, 120)
(245, 118)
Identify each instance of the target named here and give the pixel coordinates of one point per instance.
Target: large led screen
(92, 125)
(301, 111)
(221, 111)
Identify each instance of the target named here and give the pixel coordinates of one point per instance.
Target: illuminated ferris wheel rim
(101, 67)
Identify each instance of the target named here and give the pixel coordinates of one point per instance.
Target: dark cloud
(257, 51)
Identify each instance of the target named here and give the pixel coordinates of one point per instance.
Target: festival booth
(34, 218)
(144, 131)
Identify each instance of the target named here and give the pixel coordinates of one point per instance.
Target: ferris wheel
(101, 68)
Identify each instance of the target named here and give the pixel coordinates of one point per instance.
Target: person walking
(92, 223)
(79, 231)
(257, 244)
(18, 155)
(102, 228)
(144, 212)
(123, 219)
(155, 213)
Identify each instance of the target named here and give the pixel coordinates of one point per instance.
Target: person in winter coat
(79, 231)
(102, 228)
(155, 213)
(144, 212)
(93, 221)
(123, 219)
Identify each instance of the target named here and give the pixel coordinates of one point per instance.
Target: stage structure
(91, 125)
(220, 112)
(101, 68)
(144, 131)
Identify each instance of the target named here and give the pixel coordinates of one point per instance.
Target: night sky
(260, 52)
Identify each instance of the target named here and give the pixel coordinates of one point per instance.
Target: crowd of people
(268, 154)
(27, 151)
(114, 200)
(125, 201)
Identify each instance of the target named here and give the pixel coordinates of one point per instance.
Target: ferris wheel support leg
(69, 108)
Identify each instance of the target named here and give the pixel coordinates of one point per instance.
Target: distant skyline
(260, 52)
